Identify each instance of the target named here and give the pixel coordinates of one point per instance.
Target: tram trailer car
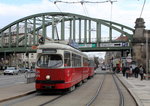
(60, 66)
(91, 68)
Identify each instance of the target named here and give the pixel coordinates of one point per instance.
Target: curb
(135, 97)
(18, 96)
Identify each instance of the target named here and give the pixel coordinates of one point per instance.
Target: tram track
(34, 99)
(127, 91)
(121, 101)
(94, 92)
(97, 92)
(88, 104)
(50, 101)
(122, 94)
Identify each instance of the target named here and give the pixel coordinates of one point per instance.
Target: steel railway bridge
(90, 33)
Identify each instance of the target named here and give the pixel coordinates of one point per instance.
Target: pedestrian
(127, 72)
(131, 69)
(136, 72)
(123, 70)
(141, 72)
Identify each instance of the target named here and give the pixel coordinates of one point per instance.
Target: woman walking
(141, 72)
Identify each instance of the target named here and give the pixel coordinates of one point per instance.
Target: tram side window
(91, 63)
(76, 60)
(67, 61)
(85, 62)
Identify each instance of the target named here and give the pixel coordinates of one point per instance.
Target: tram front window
(49, 61)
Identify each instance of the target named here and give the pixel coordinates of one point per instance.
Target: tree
(96, 61)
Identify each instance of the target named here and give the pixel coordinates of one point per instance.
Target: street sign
(122, 44)
(34, 47)
(87, 45)
(129, 58)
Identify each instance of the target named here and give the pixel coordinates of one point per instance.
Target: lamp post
(147, 55)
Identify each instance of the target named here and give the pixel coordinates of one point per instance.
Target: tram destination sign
(123, 44)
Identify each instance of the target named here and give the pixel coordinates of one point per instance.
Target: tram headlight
(48, 77)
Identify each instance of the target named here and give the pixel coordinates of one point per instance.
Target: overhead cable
(142, 8)
(82, 1)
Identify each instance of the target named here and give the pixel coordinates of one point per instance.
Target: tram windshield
(49, 61)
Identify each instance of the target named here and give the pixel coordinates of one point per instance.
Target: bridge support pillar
(141, 44)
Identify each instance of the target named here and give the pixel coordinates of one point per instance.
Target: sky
(123, 11)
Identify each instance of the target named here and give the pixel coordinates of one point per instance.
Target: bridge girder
(33, 24)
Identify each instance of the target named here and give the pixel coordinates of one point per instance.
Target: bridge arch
(23, 34)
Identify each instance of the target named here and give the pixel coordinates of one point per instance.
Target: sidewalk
(139, 89)
(16, 91)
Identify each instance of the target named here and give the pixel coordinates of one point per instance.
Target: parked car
(11, 71)
(103, 67)
(23, 70)
(30, 70)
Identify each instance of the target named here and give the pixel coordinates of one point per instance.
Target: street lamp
(147, 55)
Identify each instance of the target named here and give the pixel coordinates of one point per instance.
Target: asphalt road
(108, 95)
(11, 80)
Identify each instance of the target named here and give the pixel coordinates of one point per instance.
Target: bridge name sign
(123, 44)
(87, 45)
(93, 45)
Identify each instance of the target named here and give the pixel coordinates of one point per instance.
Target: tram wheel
(85, 80)
(72, 88)
(80, 83)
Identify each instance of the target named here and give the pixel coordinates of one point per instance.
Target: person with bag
(136, 72)
(123, 69)
(141, 72)
(127, 72)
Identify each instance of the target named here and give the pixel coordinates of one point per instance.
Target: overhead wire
(82, 2)
(58, 8)
(111, 10)
(55, 24)
(56, 5)
(142, 8)
(85, 10)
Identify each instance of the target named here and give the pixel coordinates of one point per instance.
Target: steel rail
(97, 92)
(50, 101)
(127, 90)
(121, 103)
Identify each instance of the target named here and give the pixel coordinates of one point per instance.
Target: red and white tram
(91, 68)
(61, 66)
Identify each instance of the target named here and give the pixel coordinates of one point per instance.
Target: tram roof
(60, 46)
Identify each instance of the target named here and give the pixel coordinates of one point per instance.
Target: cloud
(122, 13)
(10, 13)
